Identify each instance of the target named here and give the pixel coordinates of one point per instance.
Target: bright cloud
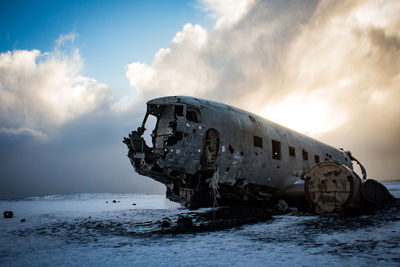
(326, 68)
(41, 91)
(227, 12)
(177, 69)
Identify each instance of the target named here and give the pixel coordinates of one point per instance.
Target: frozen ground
(82, 229)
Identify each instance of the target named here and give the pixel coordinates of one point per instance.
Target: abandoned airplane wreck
(208, 154)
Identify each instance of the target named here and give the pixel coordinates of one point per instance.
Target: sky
(75, 76)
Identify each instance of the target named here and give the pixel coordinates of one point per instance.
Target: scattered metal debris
(8, 214)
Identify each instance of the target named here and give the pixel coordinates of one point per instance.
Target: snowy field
(83, 229)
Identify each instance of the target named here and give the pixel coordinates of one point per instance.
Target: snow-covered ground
(83, 229)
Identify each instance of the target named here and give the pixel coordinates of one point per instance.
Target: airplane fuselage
(205, 151)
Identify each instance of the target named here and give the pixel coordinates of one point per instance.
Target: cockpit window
(193, 114)
(150, 126)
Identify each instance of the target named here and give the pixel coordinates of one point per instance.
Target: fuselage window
(257, 141)
(292, 151)
(193, 115)
(316, 158)
(276, 149)
(305, 155)
(178, 111)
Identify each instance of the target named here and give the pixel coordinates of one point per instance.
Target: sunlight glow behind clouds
(293, 110)
(41, 91)
(278, 52)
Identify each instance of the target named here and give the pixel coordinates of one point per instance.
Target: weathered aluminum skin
(207, 152)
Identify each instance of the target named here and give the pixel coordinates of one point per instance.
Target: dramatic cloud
(326, 68)
(179, 68)
(226, 12)
(41, 91)
(77, 137)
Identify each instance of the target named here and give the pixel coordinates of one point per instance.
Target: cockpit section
(169, 145)
(172, 123)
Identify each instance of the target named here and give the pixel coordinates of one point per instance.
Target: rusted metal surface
(208, 153)
(332, 187)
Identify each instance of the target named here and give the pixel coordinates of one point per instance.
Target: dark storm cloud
(87, 156)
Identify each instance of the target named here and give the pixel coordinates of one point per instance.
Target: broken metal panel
(211, 149)
(184, 126)
(294, 193)
(164, 129)
(363, 171)
(202, 150)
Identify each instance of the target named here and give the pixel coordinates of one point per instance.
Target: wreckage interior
(173, 147)
(161, 120)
